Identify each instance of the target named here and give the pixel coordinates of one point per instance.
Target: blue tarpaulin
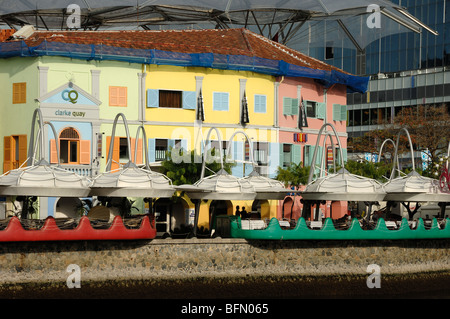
(160, 57)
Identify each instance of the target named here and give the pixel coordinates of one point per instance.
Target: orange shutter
(85, 152)
(19, 93)
(8, 153)
(53, 152)
(139, 150)
(23, 152)
(122, 96)
(112, 95)
(116, 151)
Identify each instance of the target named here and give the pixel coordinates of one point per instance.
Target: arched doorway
(287, 208)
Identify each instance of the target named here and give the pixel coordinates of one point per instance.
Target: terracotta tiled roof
(228, 41)
(5, 34)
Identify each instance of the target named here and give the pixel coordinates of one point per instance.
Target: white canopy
(220, 186)
(44, 180)
(267, 188)
(132, 182)
(344, 186)
(414, 188)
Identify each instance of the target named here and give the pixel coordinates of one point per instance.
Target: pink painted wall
(310, 90)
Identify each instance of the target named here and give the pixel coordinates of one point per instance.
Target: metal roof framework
(278, 20)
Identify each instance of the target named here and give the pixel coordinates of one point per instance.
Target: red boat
(50, 231)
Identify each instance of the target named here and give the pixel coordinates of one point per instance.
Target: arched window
(72, 149)
(69, 146)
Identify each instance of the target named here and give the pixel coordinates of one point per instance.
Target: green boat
(419, 229)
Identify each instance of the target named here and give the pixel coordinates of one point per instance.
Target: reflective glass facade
(395, 52)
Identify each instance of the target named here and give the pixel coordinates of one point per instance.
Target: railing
(82, 170)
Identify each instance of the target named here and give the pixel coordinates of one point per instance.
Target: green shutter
(296, 153)
(287, 106)
(294, 107)
(336, 112)
(343, 112)
(321, 110)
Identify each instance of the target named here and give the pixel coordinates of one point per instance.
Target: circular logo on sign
(70, 95)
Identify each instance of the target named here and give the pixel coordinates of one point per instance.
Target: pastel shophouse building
(178, 85)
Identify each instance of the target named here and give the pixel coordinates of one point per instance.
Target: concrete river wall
(224, 268)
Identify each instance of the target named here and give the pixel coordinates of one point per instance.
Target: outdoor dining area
(104, 204)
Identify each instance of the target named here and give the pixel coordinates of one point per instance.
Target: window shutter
(287, 106)
(260, 103)
(294, 107)
(19, 93)
(336, 112)
(23, 152)
(113, 94)
(140, 152)
(281, 153)
(122, 96)
(8, 153)
(296, 153)
(116, 152)
(274, 159)
(53, 152)
(151, 150)
(85, 152)
(238, 155)
(152, 98)
(343, 112)
(189, 100)
(344, 152)
(321, 110)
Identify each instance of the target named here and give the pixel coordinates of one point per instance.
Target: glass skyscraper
(406, 68)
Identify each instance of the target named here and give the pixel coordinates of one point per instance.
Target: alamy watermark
(374, 19)
(74, 279)
(74, 19)
(374, 280)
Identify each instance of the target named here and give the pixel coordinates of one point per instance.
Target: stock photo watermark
(74, 19)
(374, 19)
(74, 279)
(374, 280)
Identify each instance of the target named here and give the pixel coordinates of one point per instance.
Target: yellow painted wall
(183, 79)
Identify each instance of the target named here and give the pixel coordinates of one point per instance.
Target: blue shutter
(189, 100)
(152, 98)
(260, 103)
(184, 144)
(275, 153)
(151, 150)
(238, 155)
